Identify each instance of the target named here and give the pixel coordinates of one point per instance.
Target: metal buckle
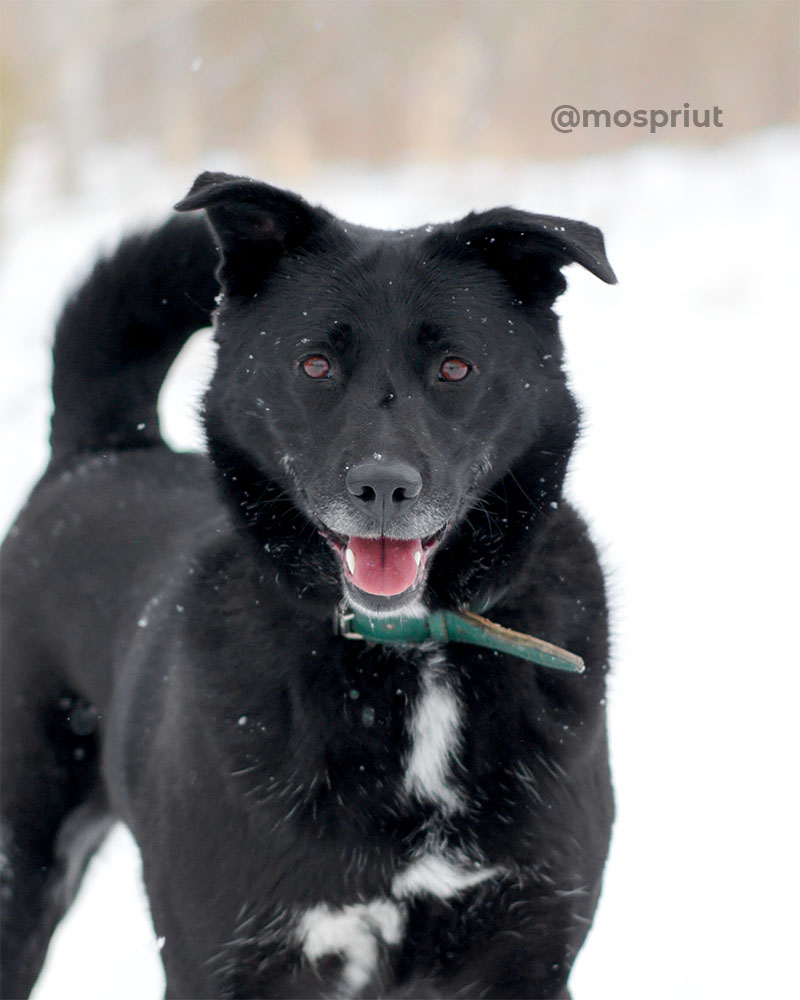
(342, 620)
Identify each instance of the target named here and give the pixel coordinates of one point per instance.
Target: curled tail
(120, 332)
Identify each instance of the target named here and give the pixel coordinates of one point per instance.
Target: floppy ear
(530, 250)
(254, 223)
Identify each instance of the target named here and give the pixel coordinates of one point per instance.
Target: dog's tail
(120, 332)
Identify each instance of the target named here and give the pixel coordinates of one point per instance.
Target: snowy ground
(687, 371)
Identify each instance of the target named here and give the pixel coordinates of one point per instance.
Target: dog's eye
(454, 370)
(316, 366)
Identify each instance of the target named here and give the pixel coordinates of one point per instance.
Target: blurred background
(398, 113)
(292, 86)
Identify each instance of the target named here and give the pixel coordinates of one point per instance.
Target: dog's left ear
(530, 250)
(255, 224)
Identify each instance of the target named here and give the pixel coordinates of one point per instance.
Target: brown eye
(454, 370)
(316, 366)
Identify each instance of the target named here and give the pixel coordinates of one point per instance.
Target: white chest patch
(358, 932)
(440, 875)
(435, 732)
(354, 932)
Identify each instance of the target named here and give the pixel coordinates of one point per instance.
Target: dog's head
(383, 397)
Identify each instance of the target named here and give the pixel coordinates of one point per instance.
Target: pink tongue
(384, 566)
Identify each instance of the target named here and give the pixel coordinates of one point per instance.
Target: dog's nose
(384, 490)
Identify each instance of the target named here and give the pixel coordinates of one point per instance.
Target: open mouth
(383, 566)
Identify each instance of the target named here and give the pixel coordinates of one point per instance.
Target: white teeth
(350, 559)
(417, 558)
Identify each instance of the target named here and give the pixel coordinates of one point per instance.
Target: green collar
(457, 626)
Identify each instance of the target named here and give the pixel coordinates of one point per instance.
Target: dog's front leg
(505, 941)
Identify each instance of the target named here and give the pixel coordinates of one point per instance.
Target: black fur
(169, 658)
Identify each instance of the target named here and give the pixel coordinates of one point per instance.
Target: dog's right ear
(255, 224)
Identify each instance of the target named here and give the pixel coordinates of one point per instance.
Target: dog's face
(391, 387)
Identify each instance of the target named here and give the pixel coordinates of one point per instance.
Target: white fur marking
(435, 729)
(356, 932)
(440, 876)
(352, 932)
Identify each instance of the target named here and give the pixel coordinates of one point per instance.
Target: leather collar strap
(457, 626)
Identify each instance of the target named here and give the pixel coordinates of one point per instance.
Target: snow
(687, 374)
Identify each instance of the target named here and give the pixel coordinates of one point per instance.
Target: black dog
(389, 426)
